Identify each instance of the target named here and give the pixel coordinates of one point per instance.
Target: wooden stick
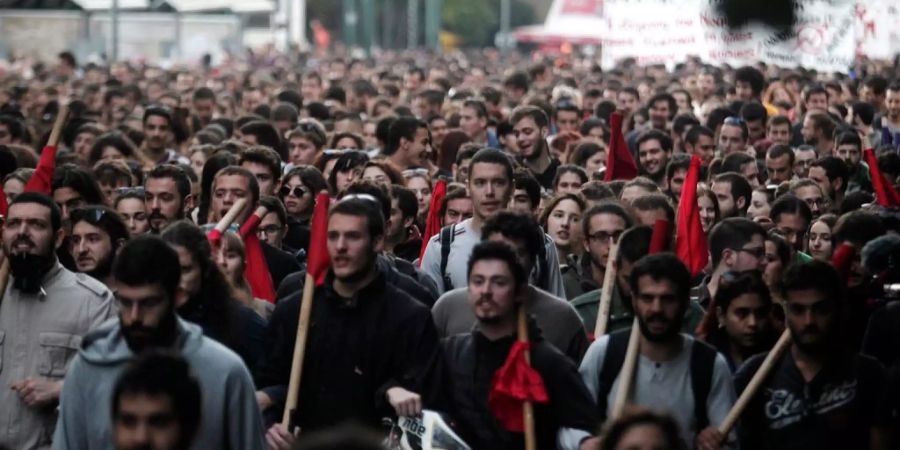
(232, 214)
(61, 117)
(527, 408)
(626, 376)
(4, 275)
(755, 383)
(609, 278)
(299, 351)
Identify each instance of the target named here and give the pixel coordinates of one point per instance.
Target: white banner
(667, 31)
(878, 28)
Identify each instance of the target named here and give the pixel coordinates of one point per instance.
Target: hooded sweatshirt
(230, 417)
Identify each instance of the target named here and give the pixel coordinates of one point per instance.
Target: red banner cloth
(515, 383)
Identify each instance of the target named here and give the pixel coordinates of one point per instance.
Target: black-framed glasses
(296, 191)
(269, 229)
(756, 252)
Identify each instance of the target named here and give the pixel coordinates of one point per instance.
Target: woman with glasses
(561, 219)
(419, 181)
(820, 238)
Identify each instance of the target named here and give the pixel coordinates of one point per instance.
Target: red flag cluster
(515, 383)
(619, 162)
(690, 240)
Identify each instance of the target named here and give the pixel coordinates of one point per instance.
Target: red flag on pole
(256, 271)
(41, 179)
(619, 162)
(318, 261)
(433, 221)
(515, 383)
(690, 240)
(885, 194)
(4, 205)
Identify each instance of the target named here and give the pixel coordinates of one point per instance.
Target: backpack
(447, 235)
(703, 358)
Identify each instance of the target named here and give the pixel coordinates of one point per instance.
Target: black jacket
(280, 263)
(292, 285)
(357, 349)
(472, 360)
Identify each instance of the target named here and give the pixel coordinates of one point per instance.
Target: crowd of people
(464, 188)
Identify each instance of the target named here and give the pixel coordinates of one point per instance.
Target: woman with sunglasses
(299, 188)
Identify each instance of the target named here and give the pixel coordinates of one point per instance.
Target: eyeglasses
(137, 190)
(296, 191)
(91, 214)
(603, 236)
(419, 172)
(756, 252)
(269, 229)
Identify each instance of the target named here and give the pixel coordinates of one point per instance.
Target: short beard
(103, 268)
(537, 151)
(360, 274)
(667, 335)
(162, 336)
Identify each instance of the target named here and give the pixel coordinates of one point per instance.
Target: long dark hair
(215, 302)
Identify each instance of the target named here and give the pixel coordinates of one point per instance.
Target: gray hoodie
(231, 418)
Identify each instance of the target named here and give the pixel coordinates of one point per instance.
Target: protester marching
(460, 250)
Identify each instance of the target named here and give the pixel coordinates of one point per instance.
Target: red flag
(433, 221)
(515, 383)
(885, 194)
(318, 261)
(619, 162)
(690, 240)
(256, 271)
(4, 206)
(41, 180)
(842, 259)
(660, 239)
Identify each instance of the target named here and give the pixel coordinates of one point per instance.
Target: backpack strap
(611, 366)
(703, 361)
(446, 239)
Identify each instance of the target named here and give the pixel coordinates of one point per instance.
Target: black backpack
(448, 233)
(703, 359)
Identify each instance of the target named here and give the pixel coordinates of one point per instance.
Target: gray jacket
(39, 335)
(230, 417)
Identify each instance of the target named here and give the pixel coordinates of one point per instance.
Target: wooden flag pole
(753, 386)
(528, 407)
(609, 278)
(299, 351)
(626, 376)
(232, 214)
(56, 132)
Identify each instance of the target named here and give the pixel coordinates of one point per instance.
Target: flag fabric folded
(842, 259)
(515, 383)
(4, 206)
(42, 179)
(619, 161)
(215, 238)
(318, 261)
(885, 194)
(659, 241)
(433, 221)
(690, 240)
(256, 270)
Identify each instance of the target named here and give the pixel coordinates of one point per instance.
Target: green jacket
(621, 314)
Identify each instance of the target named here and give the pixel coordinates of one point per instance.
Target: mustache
(155, 214)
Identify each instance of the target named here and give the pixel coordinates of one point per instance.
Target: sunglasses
(296, 191)
(138, 190)
(90, 214)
